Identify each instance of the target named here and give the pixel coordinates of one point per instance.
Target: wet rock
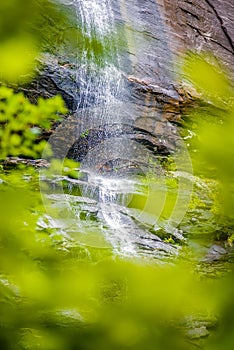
(157, 144)
(11, 162)
(215, 252)
(54, 76)
(197, 333)
(199, 326)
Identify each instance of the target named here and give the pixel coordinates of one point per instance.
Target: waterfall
(101, 87)
(118, 157)
(99, 75)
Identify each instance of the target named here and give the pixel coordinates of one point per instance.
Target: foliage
(23, 33)
(22, 122)
(213, 127)
(58, 294)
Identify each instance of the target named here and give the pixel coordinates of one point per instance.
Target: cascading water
(101, 83)
(99, 76)
(102, 136)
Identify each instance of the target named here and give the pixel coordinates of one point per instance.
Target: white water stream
(99, 73)
(100, 79)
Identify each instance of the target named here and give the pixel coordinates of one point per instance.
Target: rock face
(155, 35)
(160, 32)
(201, 25)
(54, 77)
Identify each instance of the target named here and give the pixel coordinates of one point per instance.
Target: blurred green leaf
(209, 78)
(18, 118)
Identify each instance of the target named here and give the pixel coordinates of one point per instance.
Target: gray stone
(156, 34)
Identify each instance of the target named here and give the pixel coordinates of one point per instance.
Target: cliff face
(155, 36)
(160, 32)
(201, 25)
